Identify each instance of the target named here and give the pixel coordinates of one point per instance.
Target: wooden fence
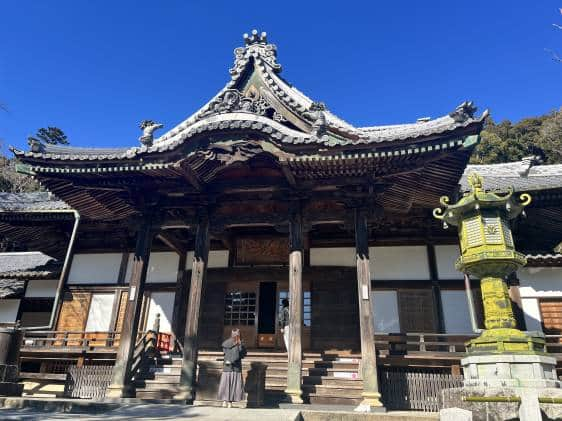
(403, 389)
(87, 382)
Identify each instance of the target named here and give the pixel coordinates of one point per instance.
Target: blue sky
(97, 68)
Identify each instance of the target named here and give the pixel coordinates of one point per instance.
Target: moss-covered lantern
(488, 253)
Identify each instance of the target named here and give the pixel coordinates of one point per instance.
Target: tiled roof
(316, 125)
(521, 175)
(11, 288)
(544, 259)
(28, 265)
(10, 202)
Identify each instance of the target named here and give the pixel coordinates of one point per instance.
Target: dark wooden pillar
(198, 273)
(371, 395)
(180, 301)
(439, 321)
(120, 383)
(296, 247)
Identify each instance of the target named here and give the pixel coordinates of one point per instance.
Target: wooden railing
(441, 344)
(70, 339)
(422, 343)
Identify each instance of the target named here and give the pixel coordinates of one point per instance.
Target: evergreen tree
(49, 135)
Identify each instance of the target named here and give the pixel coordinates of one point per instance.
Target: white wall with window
(161, 303)
(332, 256)
(41, 288)
(536, 284)
(9, 310)
(455, 311)
(217, 259)
(162, 267)
(95, 268)
(101, 310)
(399, 263)
(446, 256)
(385, 311)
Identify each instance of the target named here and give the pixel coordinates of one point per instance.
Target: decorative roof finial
(256, 48)
(255, 38)
(463, 112)
(476, 182)
(148, 128)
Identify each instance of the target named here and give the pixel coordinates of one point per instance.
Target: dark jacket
(233, 355)
(284, 319)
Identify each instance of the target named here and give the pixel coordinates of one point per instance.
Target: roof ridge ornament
(148, 128)
(257, 48)
(317, 114)
(255, 38)
(463, 112)
(232, 100)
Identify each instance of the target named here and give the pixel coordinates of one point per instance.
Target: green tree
(49, 135)
(550, 139)
(507, 142)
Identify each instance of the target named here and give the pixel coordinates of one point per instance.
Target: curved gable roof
(256, 97)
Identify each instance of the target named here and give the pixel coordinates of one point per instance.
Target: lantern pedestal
(506, 341)
(510, 370)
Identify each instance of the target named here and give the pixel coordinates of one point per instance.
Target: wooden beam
(188, 375)
(120, 384)
(371, 394)
(172, 241)
(288, 175)
(192, 177)
(296, 247)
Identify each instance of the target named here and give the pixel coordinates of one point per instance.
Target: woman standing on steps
(231, 387)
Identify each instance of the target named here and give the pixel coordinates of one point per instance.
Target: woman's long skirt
(231, 387)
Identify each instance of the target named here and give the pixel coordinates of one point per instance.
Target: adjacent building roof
(524, 175)
(17, 268)
(536, 260)
(44, 201)
(28, 265)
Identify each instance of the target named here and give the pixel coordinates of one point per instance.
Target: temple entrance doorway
(267, 314)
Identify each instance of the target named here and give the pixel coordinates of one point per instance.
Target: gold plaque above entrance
(262, 251)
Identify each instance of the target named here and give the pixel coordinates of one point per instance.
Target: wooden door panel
(416, 310)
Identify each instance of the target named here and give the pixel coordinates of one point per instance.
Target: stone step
(315, 399)
(156, 394)
(317, 371)
(331, 381)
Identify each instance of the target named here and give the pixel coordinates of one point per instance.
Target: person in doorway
(231, 387)
(284, 322)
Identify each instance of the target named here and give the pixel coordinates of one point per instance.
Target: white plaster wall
(455, 312)
(540, 282)
(99, 316)
(332, 256)
(446, 257)
(95, 268)
(385, 311)
(217, 259)
(399, 263)
(41, 288)
(162, 267)
(163, 303)
(532, 313)
(9, 310)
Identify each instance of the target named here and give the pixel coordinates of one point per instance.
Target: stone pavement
(158, 412)
(208, 413)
